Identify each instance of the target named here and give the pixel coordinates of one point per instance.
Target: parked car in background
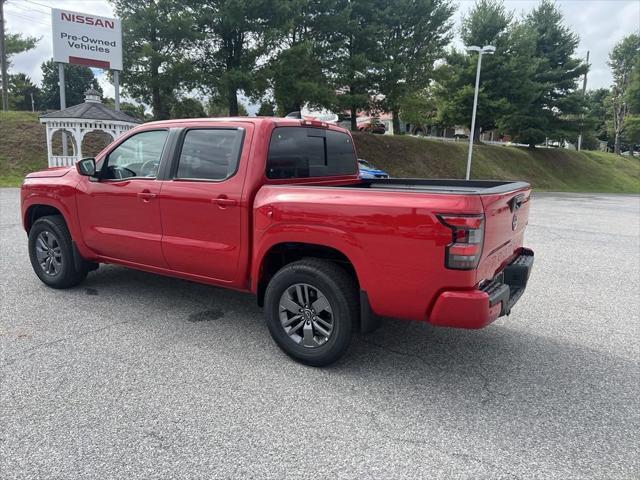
(365, 124)
(369, 171)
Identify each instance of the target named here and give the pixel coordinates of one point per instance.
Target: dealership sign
(86, 40)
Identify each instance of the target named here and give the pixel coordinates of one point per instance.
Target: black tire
(339, 289)
(64, 273)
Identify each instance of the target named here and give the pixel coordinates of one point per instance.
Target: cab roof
(276, 121)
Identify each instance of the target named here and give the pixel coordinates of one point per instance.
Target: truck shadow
(573, 401)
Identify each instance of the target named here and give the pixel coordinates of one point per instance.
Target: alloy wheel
(48, 253)
(306, 315)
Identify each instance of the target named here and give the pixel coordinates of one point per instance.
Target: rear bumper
(493, 299)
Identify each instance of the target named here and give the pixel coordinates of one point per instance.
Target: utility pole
(33, 103)
(584, 93)
(3, 60)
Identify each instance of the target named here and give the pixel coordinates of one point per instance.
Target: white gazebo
(77, 121)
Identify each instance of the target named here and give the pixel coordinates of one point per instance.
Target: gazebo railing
(62, 161)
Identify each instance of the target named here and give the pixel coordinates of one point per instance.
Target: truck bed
(466, 187)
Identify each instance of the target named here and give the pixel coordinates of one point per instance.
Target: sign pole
(63, 104)
(116, 86)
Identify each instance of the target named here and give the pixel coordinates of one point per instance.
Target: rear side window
(209, 154)
(302, 152)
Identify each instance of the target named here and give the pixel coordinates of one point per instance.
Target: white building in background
(77, 121)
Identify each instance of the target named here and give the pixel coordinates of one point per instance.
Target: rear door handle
(223, 201)
(146, 195)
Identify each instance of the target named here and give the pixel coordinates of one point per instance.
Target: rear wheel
(51, 253)
(310, 306)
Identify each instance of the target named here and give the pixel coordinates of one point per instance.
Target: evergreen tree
(266, 110)
(506, 82)
(16, 43)
(349, 37)
(233, 35)
(77, 78)
(597, 118)
(555, 110)
(158, 35)
(412, 35)
(21, 89)
(187, 108)
(296, 75)
(131, 109)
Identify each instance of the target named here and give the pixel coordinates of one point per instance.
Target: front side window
(209, 154)
(302, 152)
(137, 156)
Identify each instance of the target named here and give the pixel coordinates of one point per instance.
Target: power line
(24, 12)
(30, 19)
(36, 3)
(28, 9)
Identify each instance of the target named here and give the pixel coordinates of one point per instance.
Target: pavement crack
(480, 369)
(30, 351)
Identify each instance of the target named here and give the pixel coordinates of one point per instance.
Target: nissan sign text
(86, 39)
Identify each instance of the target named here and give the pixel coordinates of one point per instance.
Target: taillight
(467, 235)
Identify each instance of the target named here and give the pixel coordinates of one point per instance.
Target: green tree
(16, 43)
(266, 109)
(233, 34)
(348, 32)
(597, 118)
(218, 107)
(632, 122)
(131, 109)
(297, 73)
(187, 108)
(412, 35)
(21, 89)
(622, 60)
(419, 108)
(159, 36)
(77, 78)
(555, 110)
(507, 86)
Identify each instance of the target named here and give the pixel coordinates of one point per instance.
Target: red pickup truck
(275, 207)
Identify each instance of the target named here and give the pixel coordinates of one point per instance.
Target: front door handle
(223, 201)
(146, 195)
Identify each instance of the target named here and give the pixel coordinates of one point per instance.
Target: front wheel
(51, 253)
(310, 306)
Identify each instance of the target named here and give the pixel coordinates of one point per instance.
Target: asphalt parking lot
(132, 375)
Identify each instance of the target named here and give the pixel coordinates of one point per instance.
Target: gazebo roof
(91, 109)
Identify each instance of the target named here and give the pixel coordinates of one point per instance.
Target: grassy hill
(23, 149)
(546, 169)
(23, 146)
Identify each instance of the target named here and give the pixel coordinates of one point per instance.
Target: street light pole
(3, 59)
(488, 49)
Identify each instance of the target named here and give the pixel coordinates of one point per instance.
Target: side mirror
(87, 167)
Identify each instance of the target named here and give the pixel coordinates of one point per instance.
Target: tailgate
(506, 217)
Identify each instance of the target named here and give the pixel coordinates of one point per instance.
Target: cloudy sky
(600, 24)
